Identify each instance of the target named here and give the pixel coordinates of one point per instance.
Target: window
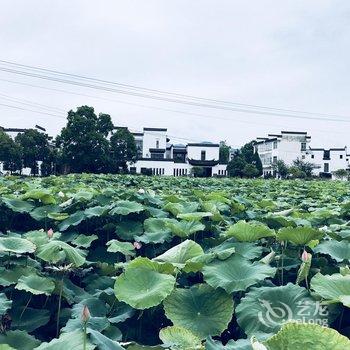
(157, 155)
(326, 155)
(312, 156)
(274, 144)
(303, 146)
(203, 155)
(326, 168)
(157, 144)
(274, 159)
(303, 156)
(341, 156)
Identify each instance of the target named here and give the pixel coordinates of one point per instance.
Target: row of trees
(88, 143)
(302, 170)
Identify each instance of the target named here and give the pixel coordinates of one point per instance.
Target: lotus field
(132, 262)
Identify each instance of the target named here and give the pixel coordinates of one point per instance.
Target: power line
(112, 90)
(164, 92)
(151, 107)
(31, 110)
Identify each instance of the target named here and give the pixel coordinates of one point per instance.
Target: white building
(291, 145)
(159, 157)
(327, 161)
(287, 146)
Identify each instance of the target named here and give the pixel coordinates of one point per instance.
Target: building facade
(157, 156)
(292, 145)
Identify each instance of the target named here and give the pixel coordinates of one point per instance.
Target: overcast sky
(286, 54)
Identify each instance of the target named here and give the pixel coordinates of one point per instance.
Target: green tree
(250, 171)
(224, 153)
(235, 168)
(341, 174)
(123, 148)
(281, 168)
(246, 155)
(35, 147)
(10, 153)
(82, 144)
(304, 167)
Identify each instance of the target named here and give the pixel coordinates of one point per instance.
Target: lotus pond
(132, 262)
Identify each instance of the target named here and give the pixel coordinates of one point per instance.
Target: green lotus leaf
(56, 251)
(201, 309)
(29, 319)
(125, 248)
(128, 229)
(135, 346)
(18, 205)
(300, 336)
(156, 231)
(179, 338)
(337, 250)
(40, 237)
(36, 285)
(43, 212)
(103, 342)
(71, 340)
(142, 286)
(16, 245)
(182, 255)
(84, 240)
(43, 196)
(241, 344)
(264, 310)
(120, 313)
(184, 228)
(58, 216)
(299, 235)
(333, 288)
(126, 208)
(95, 211)
(249, 231)
(5, 303)
(181, 208)
(19, 340)
(73, 220)
(6, 347)
(11, 275)
(196, 216)
(236, 273)
(247, 250)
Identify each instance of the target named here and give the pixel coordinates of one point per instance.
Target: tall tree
(243, 157)
(224, 153)
(83, 144)
(35, 148)
(10, 153)
(123, 148)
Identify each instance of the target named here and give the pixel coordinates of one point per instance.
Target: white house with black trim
(291, 145)
(158, 156)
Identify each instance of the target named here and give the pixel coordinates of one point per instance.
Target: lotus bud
(141, 191)
(85, 315)
(60, 194)
(50, 233)
(137, 245)
(304, 256)
(256, 345)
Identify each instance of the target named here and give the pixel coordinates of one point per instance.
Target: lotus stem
(59, 308)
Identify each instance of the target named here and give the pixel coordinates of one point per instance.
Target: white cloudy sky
(291, 54)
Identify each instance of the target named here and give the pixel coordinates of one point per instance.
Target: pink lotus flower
(85, 315)
(304, 256)
(50, 233)
(137, 245)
